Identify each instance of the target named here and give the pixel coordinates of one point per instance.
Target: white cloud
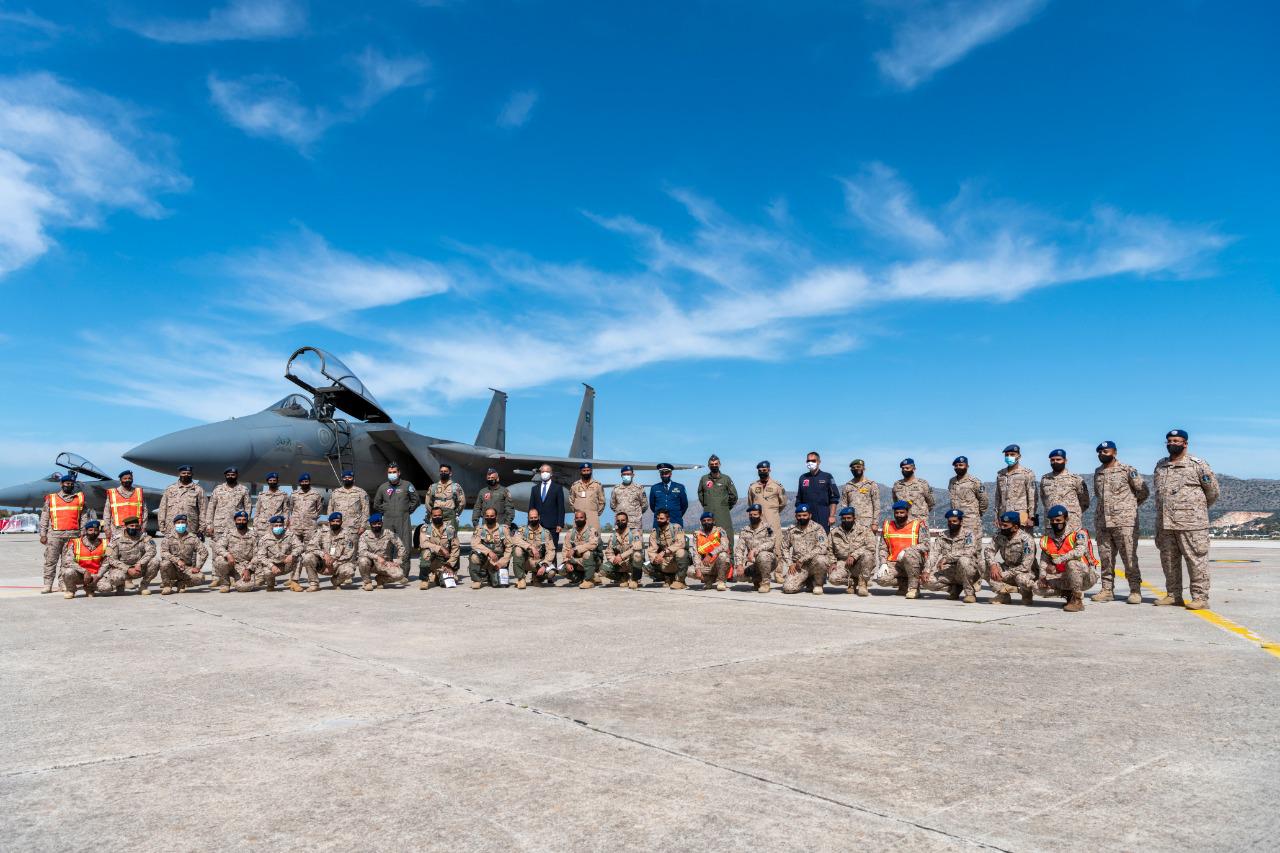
(253, 20)
(884, 204)
(67, 158)
(933, 35)
(29, 20)
(381, 75)
(515, 112)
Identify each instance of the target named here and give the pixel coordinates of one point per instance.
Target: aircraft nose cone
(19, 496)
(208, 449)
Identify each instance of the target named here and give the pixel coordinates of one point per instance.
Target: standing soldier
(268, 504)
(181, 554)
(82, 562)
(121, 502)
(771, 497)
(806, 554)
(718, 495)
(1119, 489)
(60, 522)
(624, 553)
(629, 497)
(490, 550)
(437, 544)
(131, 555)
(335, 554)
(1011, 560)
(234, 551)
(854, 548)
(587, 496)
(582, 551)
(1061, 487)
(396, 499)
(1016, 489)
(228, 498)
(906, 542)
(380, 555)
(916, 492)
(817, 490)
(352, 502)
(535, 552)
(863, 494)
(1185, 489)
(756, 549)
(304, 508)
(954, 560)
(1068, 565)
(711, 544)
(668, 551)
(181, 498)
(277, 555)
(668, 495)
(969, 496)
(494, 495)
(447, 495)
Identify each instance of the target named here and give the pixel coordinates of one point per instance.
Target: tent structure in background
(25, 522)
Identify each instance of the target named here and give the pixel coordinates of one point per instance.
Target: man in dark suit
(547, 498)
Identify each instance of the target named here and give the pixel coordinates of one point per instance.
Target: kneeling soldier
(711, 544)
(755, 549)
(181, 554)
(806, 554)
(853, 552)
(582, 551)
(907, 541)
(953, 559)
(1011, 562)
(624, 555)
(490, 550)
(535, 553)
(131, 555)
(438, 543)
(337, 550)
(380, 554)
(668, 551)
(82, 562)
(276, 556)
(233, 553)
(1068, 565)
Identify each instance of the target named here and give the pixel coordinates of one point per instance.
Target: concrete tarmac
(636, 720)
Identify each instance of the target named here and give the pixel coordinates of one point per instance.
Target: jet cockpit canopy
(77, 464)
(293, 406)
(333, 385)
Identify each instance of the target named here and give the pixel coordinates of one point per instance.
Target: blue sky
(875, 228)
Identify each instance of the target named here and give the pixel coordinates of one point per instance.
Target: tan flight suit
(587, 498)
(449, 497)
(628, 546)
(806, 555)
(535, 556)
(1185, 490)
(919, 494)
(491, 552)
(756, 551)
(582, 553)
(1119, 490)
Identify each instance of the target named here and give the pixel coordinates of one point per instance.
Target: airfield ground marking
(1222, 622)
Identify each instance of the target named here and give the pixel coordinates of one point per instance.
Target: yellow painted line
(1221, 621)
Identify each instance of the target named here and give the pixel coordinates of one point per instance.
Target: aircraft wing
(560, 464)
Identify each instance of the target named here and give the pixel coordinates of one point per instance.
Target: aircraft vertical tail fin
(493, 430)
(584, 434)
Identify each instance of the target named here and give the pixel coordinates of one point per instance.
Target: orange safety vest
(119, 507)
(1053, 549)
(90, 559)
(64, 515)
(900, 539)
(706, 543)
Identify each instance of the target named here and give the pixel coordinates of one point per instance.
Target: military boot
(1135, 596)
(225, 588)
(862, 588)
(367, 586)
(818, 590)
(294, 585)
(520, 584)
(954, 592)
(586, 585)
(476, 584)
(902, 587)
(144, 591)
(165, 590)
(1198, 604)
(1107, 594)
(1001, 598)
(1028, 599)
(1169, 600)
(632, 585)
(1075, 603)
(71, 593)
(679, 584)
(720, 587)
(969, 597)
(48, 588)
(764, 587)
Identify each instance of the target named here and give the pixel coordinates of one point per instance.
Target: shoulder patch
(1205, 478)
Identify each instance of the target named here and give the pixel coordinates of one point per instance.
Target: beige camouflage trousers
(57, 541)
(808, 574)
(1119, 543)
(1185, 546)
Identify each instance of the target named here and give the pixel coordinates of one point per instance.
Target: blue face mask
(279, 531)
(180, 528)
(1011, 461)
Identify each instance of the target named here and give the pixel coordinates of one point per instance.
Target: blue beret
(959, 459)
(846, 510)
(182, 468)
(1178, 433)
(907, 461)
(1012, 448)
(377, 516)
(1058, 451)
(1057, 510)
(900, 505)
(585, 466)
(182, 516)
(954, 513)
(275, 474)
(304, 476)
(276, 518)
(802, 507)
(346, 474)
(1011, 517)
(93, 522)
(1106, 445)
(240, 514)
(122, 473)
(67, 478)
(231, 470)
(763, 463)
(627, 469)
(335, 516)
(706, 515)
(754, 508)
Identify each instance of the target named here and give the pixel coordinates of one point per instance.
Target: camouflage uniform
(1014, 559)
(342, 548)
(179, 500)
(713, 566)
(353, 503)
(953, 562)
(439, 552)
(718, 495)
(911, 560)
(222, 506)
(380, 557)
(304, 509)
(582, 553)
(1069, 490)
(1185, 489)
(449, 497)
(267, 504)
(632, 500)
(485, 567)
(806, 554)
(1016, 492)
(496, 498)
(919, 494)
(1069, 573)
(181, 555)
(756, 551)
(629, 545)
(242, 547)
(126, 554)
(969, 495)
(772, 497)
(534, 552)
(587, 498)
(669, 569)
(269, 561)
(57, 540)
(853, 555)
(1119, 490)
(864, 496)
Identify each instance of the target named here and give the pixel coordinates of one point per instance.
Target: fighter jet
(89, 478)
(339, 426)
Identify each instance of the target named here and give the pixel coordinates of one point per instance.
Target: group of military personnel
(280, 542)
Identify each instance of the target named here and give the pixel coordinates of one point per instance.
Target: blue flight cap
(1012, 448)
(1057, 510)
(763, 463)
(231, 470)
(276, 519)
(1011, 517)
(377, 516)
(273, 475)
(900, 505)
(585, 466)
(346, 474)
(93, 522)
(706, 515)
(627, 469)
(304, 477)
(184, 469)
(802, 507)
(959, 459)
(754, 508)
(954, 513)
(122, 473)
(1058, 452)
(335, 516)
(907, 461)
(67, 478)
(182, 516)
(1177, 433)
(846, 510)
(1106, 445)
(240, 514)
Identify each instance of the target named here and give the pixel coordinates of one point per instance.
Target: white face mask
(812, 466)
(626, 479)
(544, 476)
(393, 478)
(279, 531)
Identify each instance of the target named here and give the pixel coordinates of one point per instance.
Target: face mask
(1006, 531)
(490, 522)
(907, 475)
(493, 484)
(1174, 450)
(847, 524)
(715, 469)
(180, 528)
(132, 531)
(126, 484)
(954, 528)
(534, 523)
(348, 483)
(812, 466)
(279, 531)
(801, 522)
(376, 528)
(184, 479)
(764, 475)
(1059, 527)
(231, 481)
(1011, 461)
(444, 477)
(336, 528)
(273, 486)
(437, 521)
(68, 489)
(1058, 467)
(306, 487)
(1104, 458)
(241, 526)
(626, 479)
(393, 478)
(544, 476)
(706, 528)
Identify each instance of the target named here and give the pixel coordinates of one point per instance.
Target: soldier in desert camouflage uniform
(906, 543)
(582, 551)
(771, 497)
(1068, 565)
(277, 555)
(380, 555)
(352, 501)
(968, 495)
(437, 543)
(1011, 560)
(227, 499)
(806, 554)
(271, 501)
(447, 495)
(854, 548)
(233, 554)
(711, 552)
(181, 554)
(863, 494)
(915, 491)
(756, 549)
(131, 555)
(953, 562)
(629, 497)
(1119, 489)
(1061, 487)
(668, 551)
(1016, 488)
(491, 551)
(624, 552)
(335, 554)
(181, 498)
(1185, 489)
